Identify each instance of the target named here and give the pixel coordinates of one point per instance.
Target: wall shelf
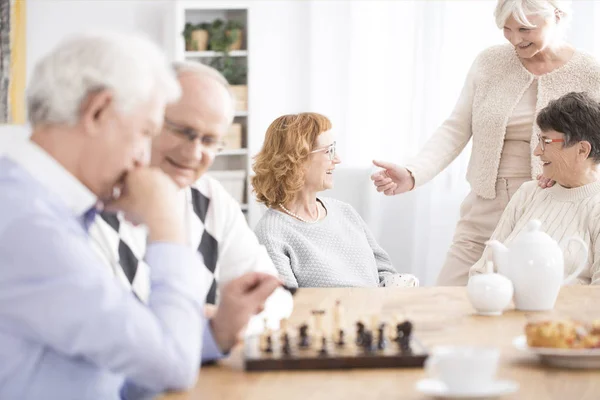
(232, 166)
(212, 54)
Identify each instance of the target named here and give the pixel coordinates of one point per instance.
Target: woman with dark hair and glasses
(313, 241)
(569, 151)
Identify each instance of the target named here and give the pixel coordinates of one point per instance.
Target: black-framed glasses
(210, 142)
(544, 141)
(329, 149)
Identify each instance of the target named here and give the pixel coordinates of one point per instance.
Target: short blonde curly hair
(279, 166)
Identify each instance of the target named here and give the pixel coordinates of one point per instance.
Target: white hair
(130, 66)
(204, 71)
(520, 9)
(201, 70)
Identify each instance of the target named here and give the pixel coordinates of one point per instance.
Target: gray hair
(130, 66)
(520, 9)
(577, 116)
(204, 71)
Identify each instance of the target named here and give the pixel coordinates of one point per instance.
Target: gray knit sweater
(337, 251)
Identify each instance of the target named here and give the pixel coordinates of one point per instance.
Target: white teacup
(463, 368)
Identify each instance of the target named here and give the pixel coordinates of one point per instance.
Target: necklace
(300, 218)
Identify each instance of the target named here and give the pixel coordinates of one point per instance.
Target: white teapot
(534, 263)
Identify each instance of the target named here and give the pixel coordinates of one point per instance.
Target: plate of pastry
(563, 343)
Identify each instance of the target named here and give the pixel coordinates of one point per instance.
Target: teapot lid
(533, 234)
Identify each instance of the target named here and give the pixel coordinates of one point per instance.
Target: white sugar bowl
(489, 293)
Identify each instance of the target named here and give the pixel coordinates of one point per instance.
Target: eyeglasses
(544, 141)
(329, 149)
(210, 142)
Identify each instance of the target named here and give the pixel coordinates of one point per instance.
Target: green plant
(218, 38)
(224, 34)
(235, 73)
(233, 25)
(187, 33)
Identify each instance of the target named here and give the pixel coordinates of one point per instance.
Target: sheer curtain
(388, 73)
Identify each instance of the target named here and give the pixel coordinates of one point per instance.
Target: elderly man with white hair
(191, 137)
(68, 330)
(505, 89)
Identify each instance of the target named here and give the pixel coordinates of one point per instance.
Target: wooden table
(441, 316)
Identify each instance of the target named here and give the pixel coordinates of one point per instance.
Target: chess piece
(269, 346)
(304, 341)
(404, 329)
(318, 315)
(381, 342)
(367, 342)
(285, 347)
(403, 333)
(265, 337)
(283, 327)
(340, 342)
(338, 324)
(323, 351)
(360, 332)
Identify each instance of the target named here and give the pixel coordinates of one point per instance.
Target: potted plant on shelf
(225, 36)
(237, 76)
(196, 36)
(233, 29)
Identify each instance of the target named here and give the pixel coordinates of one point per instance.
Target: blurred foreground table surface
(442, 316)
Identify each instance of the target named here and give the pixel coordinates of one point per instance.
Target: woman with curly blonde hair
(313, 241)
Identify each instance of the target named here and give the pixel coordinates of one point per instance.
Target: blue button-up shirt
(67, 329)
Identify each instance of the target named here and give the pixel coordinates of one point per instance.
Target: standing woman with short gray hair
(505, 89)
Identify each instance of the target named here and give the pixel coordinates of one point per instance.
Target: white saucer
(437, 388)
(562, 358)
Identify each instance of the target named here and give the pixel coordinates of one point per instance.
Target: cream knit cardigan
(495, 84)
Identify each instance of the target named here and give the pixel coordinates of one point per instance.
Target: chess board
(331, 355)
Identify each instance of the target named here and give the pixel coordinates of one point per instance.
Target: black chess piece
(269, 348)
(360, 332)
(403, 333)
(381, 342)
(341, 342)
(323, 351)
(285, 347)
(303, 335)
(403, 330)
(367, 342)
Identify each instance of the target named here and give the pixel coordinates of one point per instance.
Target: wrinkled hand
(240, 299)
(394, 179)
(544, 183)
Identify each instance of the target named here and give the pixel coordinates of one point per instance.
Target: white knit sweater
(563, 213)
(495, 84)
